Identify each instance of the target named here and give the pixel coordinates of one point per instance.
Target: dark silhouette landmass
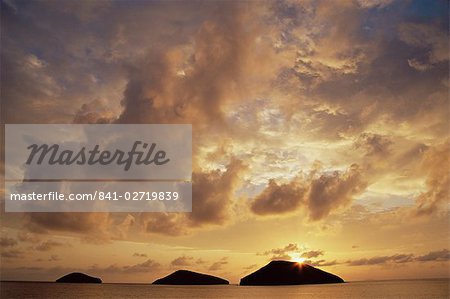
(185, 277)
(289, 273)
(77, 277)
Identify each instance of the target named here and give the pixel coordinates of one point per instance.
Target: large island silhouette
(289, 273)
(77, 277)
(186, 277)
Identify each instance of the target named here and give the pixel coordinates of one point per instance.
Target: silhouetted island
(77, 277)
(289, 273)
(185, 277)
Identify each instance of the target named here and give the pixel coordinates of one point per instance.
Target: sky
(320, 133)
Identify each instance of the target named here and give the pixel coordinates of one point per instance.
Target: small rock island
(77, 277)
(289, 273)
(185, 277)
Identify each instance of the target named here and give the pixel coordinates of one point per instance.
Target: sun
(299, 260)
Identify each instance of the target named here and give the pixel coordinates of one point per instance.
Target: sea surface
(398, 289)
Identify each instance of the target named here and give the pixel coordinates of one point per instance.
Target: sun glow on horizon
(298, 259)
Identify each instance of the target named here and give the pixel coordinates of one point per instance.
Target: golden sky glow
(320, 133)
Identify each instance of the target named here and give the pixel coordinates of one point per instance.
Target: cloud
(401, 258)
(147, 266)
(200, 261)
(97, 228)
(436, 163)
(321, 263)
(356, 91)
(293, 250)
(213, 192)
(54, 258)
(73, 222)
(7, 242)
(433, 256)
(212, 199)
(331, 191)
(278, 198)
(312, 254)
(374, 144)
(219, 264)
(282, 253)
(182, 261)
(374, 3)
(276, 78)
(442, 255)
(429, 38)
(318, 194)
(398, 258)
(48, 245)
(12, 253)
(191, 83)
(24, 236)
(10, 4)
(165, 223)
(94, 112)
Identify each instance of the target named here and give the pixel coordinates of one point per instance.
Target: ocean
(398, 289)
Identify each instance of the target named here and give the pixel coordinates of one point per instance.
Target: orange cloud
(318, 194)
